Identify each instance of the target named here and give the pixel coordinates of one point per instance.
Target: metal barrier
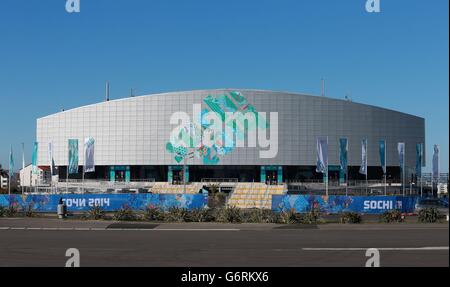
(220, 180)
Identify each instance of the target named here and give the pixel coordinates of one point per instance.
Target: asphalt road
(44, 243)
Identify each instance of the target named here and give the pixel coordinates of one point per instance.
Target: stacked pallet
(254, 195)
(167, 188)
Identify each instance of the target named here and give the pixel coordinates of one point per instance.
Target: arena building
(134, 137)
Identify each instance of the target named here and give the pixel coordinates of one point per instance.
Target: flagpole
(346, 178)
(367, 167)
(404, 169)
(50, 155)
(421, 173)
(385, 168)
(82, 181)
(9, 173)
(346, 171)
(420, 167)
(327, 169)
(67, 176)
(23, 165)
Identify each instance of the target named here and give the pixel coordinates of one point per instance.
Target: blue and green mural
(191, 135)
(340, 204)
(108, 202)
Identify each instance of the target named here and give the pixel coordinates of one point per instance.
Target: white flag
(322, 154)
(50, 159)
(89, 162)
(401, 155)
(436, 163)
(363, 168)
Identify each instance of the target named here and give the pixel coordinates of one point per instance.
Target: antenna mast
(323, 87)
(107, 91)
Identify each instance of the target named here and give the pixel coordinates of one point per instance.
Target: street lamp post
(189, 155)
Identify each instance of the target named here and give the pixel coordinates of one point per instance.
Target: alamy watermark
(227, 132)
(73, 6)
(374, 257)
(74, 257)
(373, 6)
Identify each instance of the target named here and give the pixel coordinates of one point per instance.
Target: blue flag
(383, 155)
(343, 155)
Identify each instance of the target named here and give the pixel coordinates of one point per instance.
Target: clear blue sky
(50, 59)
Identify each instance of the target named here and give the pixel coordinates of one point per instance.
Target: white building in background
(3, 181)
(133, 137)
(28, 179)
(442, 189)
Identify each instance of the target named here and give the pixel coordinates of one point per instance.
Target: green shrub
(289, 217)
(154, 214)
(392, 216)
(429, 215)
(350, 217)
(312, 217)
(259, 216)
(125, 214)
(29, 211)
(199, 215)
(229, 214)
(176, 214)
(217, 199)
(95, 213)
(2, 211)
(11, 211)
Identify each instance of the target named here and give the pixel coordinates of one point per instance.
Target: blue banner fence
(340, 204)
(140, 202)
(108, 202)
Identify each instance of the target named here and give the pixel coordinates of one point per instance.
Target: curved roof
(256, 91)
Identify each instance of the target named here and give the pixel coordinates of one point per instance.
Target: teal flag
(419, 159)
(383, 155)
(11, 163)
(34, 158)
(343, 155)
(73, 156)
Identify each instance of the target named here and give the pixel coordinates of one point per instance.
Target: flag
(73, 156)
(11, 163)
(363, 168)
(436, 163)
(401, 155)
(322, 154)
(343, 155)
(383, 155)
(89, 162)
(51, 159)
(34, 158)
(419, 159)
(23, 156)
